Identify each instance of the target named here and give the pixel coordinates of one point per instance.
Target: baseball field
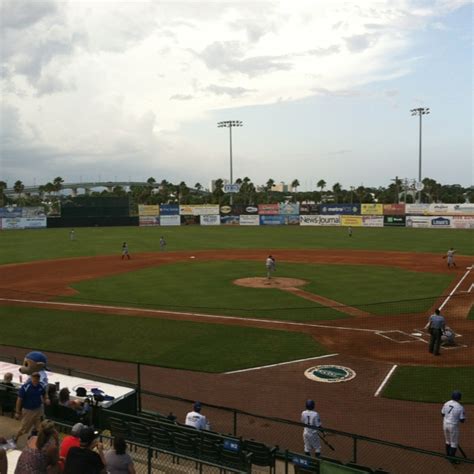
(367, 296)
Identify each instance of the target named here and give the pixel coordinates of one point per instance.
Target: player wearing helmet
(311, 418)
(453, 414)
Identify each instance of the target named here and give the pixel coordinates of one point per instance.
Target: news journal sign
(320, 220)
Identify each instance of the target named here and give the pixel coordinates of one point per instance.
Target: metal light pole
(229, 124)
(420, 111)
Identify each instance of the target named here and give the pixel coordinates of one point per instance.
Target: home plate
(192, 256)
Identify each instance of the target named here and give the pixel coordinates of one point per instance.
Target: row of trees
(154, 192)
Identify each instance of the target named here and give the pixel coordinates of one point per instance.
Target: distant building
(280, 187)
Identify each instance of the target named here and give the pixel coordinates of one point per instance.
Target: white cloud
(113, 81)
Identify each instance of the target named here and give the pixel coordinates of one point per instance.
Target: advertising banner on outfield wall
(462, 222)
(9, 223)
(394, 221)
(440, 222)
(199, 209)
(246, 219)
(148, 210)
(10, 212)
(169, 210)
(148, 221)
(309, 209)
(268, 209)
(230, 220)
(170, 220)
(418, 221)
(272, 220)
(37, 211)
(347, 209)
(451, 209)
(289, 208)
(190, 220)
(371, 209)
(211, 220)
(352, 221)
(292, 220)
(226, 210)
(372, 221)
(417, 209)
(394, 209)
(320, 220)
(250, 210)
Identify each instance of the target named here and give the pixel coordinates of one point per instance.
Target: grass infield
(431, 384)
(174, 344)
(207, 287)
(27, 245)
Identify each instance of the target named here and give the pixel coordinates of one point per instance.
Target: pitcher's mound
(272, 283)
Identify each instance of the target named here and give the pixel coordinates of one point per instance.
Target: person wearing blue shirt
(32, 397)
(436, 325)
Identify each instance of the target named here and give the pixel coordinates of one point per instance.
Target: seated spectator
(52, 393)
(70, 441)
(7, 379)
(195, 419)
(117, 461)
(65, 401)
(41, 453)
(3, 461)
(89, 457)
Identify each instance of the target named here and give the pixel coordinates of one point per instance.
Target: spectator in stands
(89, 457)
(195, 419)
(3, 461)
(8, 405)
(31, 399)
(117, 460)
(65, 401)
(70, 441)
(7, 379)
(52, 393)
(41, 453)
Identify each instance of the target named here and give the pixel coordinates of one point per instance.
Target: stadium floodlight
(230, 124)
(420, 111)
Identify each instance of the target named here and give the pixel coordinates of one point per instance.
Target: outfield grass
(431, 384)
(174, 344)
(207, 287)
(27, 245)
(471, 313)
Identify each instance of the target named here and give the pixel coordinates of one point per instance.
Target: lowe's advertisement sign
(347, 209)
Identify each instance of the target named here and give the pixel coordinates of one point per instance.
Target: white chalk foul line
(181, 313)
(281, 363)
(455, 288)
(385, 380)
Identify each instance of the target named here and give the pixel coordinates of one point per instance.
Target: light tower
(420, 111)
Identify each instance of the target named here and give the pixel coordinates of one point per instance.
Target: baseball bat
(326, 442)
(462, 452)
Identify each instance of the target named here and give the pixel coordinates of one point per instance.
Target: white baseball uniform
(310, 436)
(453, 413)
(450, 255)
(193, 418)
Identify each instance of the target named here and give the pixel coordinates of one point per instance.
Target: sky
(130, 90)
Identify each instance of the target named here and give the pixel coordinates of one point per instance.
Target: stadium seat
(140, 433)
(7, 399)
(262, 455)
(161, 438)
(118, 427)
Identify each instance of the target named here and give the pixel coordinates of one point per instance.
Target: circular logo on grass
(329, 373)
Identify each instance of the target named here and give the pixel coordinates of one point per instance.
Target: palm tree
(321, 184)
(270, 184)
(198, 186)
(336, 189)
(294, 184)
(58, 183)
(18, 187)
(151, 181)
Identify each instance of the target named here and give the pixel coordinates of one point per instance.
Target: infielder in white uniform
(195, 419)
(453, 414)
(311, 439)
(450, 256)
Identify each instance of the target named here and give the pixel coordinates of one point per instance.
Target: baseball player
(195, 419)
(453, 414)
(162, 243)
(450, 256)
(270, 265)
(447, 338)
(311, 440)
(436, 326)
(72, 235)
(349, 231)
(125, 253)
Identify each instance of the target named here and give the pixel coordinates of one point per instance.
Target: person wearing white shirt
(311, 440)
(195, 419)
(453, 414)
